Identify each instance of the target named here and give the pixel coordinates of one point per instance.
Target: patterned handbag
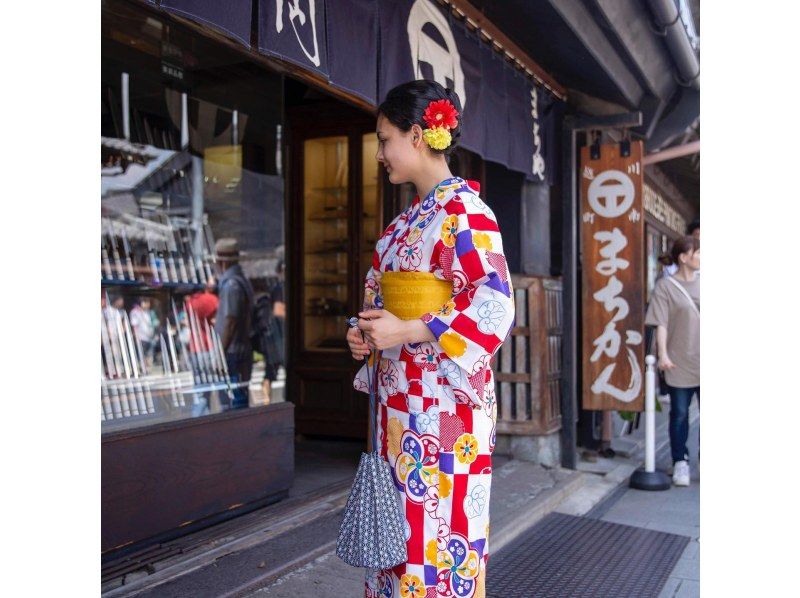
(372, 531)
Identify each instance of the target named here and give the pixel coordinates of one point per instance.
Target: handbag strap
(685, 294)
(372, 382)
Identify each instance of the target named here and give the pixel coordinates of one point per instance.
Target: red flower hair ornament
(440, 116)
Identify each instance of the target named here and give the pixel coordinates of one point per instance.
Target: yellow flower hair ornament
(438, 138)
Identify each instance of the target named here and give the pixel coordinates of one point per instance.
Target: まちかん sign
(612, 233)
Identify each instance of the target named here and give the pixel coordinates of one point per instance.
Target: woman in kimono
(438, 304)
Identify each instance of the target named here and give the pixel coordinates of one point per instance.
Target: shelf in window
(333, 273)
(336, 192)
(147, 286)
(328, 252)
(332, 216)
(323, 283)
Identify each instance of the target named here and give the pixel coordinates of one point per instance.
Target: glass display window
(190, 154)
(371, 224)
(326, 262)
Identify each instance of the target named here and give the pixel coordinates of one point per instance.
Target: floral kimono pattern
(437, 412)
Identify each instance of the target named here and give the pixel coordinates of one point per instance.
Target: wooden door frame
(302, 123)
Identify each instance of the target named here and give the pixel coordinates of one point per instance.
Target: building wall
(535, 229)
(503, 195)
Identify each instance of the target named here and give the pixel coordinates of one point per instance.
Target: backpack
(267, 331)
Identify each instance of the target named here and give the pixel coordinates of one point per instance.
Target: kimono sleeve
(372, 300)
(473, 325)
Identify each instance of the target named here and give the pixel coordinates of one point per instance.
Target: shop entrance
(336, 215)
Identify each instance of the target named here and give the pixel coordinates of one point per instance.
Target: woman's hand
(664, 362)
(358, 347)
(382, 329)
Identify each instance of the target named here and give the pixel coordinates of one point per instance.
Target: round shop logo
(444, 60)
(611, 193)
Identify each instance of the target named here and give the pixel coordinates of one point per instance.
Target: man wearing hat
(234, 317)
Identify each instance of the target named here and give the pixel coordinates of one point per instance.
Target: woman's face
(398, 150)
(691, 259)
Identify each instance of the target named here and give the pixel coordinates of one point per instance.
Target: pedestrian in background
(268, 330)
(693, 230)
(675, 311)
(234, 317)
(201, 308)
(145, 323)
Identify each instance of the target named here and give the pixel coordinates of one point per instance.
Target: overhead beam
(480, 21)
(678, 151)
(674, 124)
(626, 120)
(630, 22)
(586, 29)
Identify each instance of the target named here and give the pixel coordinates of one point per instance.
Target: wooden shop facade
(256, 120)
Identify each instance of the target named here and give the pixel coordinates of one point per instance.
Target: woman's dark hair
(679, 247)
(405, 104)
(693, 226)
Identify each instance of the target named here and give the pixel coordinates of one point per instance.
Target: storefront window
(190, 154)
(326, 241)
(657, 245)
(371, 225)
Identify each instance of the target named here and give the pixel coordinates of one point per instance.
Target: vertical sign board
(612, 236)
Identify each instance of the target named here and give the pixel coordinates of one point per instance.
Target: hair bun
(405, 104)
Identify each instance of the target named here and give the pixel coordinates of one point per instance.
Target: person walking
(675, 312)
(200, 309)
(268, 328)
(145, 325)
(693, 230)
(234, 318)
(438, 304)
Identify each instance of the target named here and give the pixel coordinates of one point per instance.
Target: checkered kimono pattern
(437, 412)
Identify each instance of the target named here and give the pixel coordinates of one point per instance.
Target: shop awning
(232, 17)
(366, 47)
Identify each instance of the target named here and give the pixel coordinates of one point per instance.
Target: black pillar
(569, 348)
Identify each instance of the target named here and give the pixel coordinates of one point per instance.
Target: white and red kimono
(437, 412)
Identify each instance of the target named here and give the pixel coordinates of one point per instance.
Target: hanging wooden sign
(612, 237)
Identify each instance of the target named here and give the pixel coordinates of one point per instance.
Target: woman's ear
(416, 136)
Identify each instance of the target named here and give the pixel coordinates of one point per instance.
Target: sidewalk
(676, 511)
(522, 494)
(292, 553)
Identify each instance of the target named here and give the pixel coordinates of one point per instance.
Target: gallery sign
(612, 233)
(659, 208)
